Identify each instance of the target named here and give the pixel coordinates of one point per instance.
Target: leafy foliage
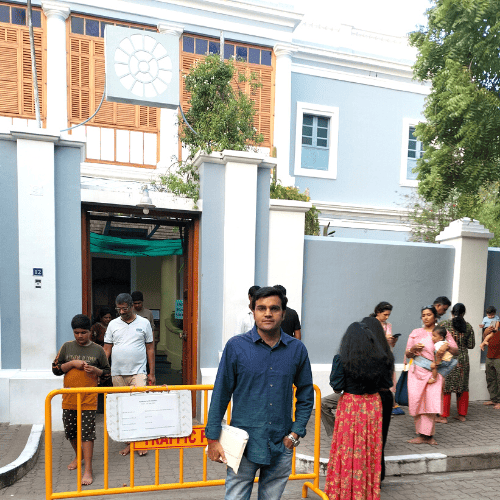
(459, 52)
(221, 117)
(280, 192)
(429, 218)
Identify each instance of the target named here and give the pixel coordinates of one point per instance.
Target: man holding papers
(258, 370)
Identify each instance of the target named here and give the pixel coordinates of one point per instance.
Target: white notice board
(149, 415)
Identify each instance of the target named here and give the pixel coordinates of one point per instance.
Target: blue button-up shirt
(260, 379)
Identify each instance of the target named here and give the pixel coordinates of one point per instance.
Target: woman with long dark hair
(361, 369)
(424, 398)
(457, 380)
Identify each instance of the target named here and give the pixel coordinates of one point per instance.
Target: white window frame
(330, 112)
(407, 123)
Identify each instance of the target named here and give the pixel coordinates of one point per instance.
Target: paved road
(474, 485)
(477, 485)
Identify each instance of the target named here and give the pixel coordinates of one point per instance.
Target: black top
(339, 381)
(291, 322)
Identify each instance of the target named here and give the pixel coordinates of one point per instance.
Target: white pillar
(37, 249)
(470, 240)
(240, 205)
(286, 248)
(57, 84)
(282, 110)
(169, 130)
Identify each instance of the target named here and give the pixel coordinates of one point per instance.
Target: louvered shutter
(263, 98)
(87, 62)
(16, 83)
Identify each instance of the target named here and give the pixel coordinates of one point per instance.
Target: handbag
(401, 395)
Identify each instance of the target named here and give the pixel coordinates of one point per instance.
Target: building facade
(336, 108)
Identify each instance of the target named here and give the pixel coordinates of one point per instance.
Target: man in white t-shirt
(245, 321)
(130, 338)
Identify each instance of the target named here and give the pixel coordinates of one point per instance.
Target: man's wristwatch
(294, 441)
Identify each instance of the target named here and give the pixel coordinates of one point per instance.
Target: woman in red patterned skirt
(361, 369)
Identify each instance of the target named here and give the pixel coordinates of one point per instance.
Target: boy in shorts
(82, 362)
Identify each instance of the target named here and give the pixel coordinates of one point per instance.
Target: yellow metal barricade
(197, 439)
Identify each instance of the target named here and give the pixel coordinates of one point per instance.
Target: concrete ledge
(426, 463)
(26, 460)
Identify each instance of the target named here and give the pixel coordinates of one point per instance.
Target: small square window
(316, 141)
(214, 48)
(265, 57)
(91, 27)
(254, 56)
(188, 44)
(4, 14)
(241, 53)
(103, 27)
(19, 16)
(228, 51)
(77, 25)
(201, 46)
(36, 19)
(412, 150)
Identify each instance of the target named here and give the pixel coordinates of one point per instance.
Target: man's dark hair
(80, 321)
(491, 310)
(269, 291)
(444, 301)
(124, 298)
(137, 297)
(252, 290)
(281, 288)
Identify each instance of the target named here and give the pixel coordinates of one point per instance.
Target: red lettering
(203, 437)
(192, 437)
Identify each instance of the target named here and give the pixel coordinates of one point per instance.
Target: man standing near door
(258, 369)
(130, 339)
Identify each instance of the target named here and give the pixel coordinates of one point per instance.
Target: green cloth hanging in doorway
(134, 248)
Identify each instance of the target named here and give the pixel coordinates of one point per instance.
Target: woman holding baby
(424, 397)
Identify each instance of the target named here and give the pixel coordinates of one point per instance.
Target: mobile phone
(396, 335)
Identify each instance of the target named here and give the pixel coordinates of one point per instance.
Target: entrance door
(110, 277)
(107, 280)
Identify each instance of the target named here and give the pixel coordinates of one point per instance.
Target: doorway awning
(134, 248)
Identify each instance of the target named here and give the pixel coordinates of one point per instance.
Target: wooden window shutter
(263, 97)
(87, 65)
(9, 59)
(16, 84)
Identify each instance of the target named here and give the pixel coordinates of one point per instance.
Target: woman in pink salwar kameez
(425, 400)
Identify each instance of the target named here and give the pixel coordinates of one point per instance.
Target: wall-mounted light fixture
(145, 202)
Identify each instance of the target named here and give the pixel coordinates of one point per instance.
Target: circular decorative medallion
(143, 65)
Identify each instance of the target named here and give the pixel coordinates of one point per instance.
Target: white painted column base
(23, 394)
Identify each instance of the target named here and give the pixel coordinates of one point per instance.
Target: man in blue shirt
(258, 370)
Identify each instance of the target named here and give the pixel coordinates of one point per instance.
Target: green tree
(220, 118)
(429, 218)
(459, 53)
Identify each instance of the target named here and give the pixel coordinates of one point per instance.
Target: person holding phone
(382, 312)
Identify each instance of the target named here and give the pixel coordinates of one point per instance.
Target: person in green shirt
(82, 362)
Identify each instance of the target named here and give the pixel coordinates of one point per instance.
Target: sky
(391, 17)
